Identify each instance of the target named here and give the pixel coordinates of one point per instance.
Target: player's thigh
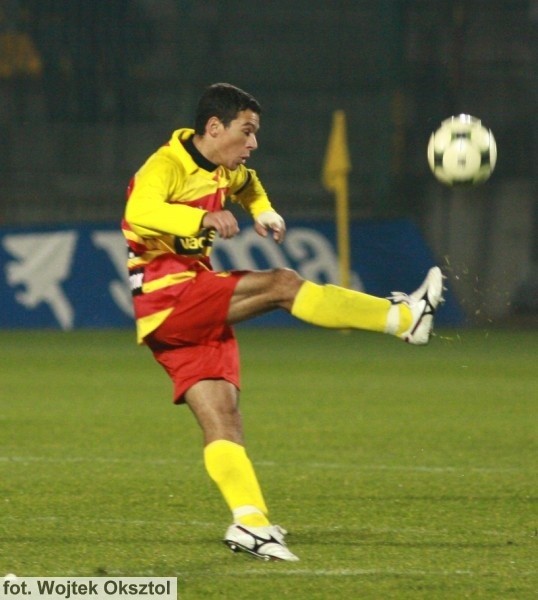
(275, 288)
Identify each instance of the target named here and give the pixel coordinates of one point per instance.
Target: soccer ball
(462, 151)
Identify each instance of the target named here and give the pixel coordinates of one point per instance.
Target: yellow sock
(230, 468)
(340, 308)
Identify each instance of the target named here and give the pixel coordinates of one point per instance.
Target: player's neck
(200, 153)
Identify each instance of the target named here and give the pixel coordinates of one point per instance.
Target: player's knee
(286, 283)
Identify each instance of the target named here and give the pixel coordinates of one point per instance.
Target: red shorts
(195, 342)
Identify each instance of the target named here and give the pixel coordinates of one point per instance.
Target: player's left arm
(248, 191)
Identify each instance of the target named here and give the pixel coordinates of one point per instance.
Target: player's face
(236, 142)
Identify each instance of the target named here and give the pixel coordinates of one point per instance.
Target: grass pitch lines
(89, 459)
(261, 463)
(302, 572)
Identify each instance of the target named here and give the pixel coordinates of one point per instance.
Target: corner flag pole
(336, 168)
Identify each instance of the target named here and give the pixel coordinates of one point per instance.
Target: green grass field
(400, 472)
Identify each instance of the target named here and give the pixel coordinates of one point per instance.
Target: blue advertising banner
(71, 277)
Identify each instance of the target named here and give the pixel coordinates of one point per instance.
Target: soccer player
(185, 311)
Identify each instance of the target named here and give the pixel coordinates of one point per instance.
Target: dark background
(88, 89)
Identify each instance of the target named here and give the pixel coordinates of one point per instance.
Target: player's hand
(223, 222)
(270, 221)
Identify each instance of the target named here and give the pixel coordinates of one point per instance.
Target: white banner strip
(86, 588)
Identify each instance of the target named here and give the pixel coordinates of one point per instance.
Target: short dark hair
(224, 101)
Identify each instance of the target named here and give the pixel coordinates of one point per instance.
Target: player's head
(224, 101)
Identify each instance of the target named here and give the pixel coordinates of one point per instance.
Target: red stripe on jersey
(168, 264)
(137, 248)
(212, 202)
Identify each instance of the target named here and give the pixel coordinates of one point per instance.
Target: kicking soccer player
(185, 311)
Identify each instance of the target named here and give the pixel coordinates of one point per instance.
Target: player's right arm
(224, 223)
(150, 209)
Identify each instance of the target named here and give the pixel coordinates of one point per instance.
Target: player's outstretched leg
(407, 316)
(422, 302)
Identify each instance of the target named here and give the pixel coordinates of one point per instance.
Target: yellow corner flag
(336, 168)
(337, 164)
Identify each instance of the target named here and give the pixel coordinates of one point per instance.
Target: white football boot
(266, 543)
(423, 303)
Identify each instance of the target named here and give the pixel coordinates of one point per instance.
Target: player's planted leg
(215, 405)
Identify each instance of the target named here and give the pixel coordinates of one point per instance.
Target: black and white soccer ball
(462, 151)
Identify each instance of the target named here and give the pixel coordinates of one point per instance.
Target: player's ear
(213, 126)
